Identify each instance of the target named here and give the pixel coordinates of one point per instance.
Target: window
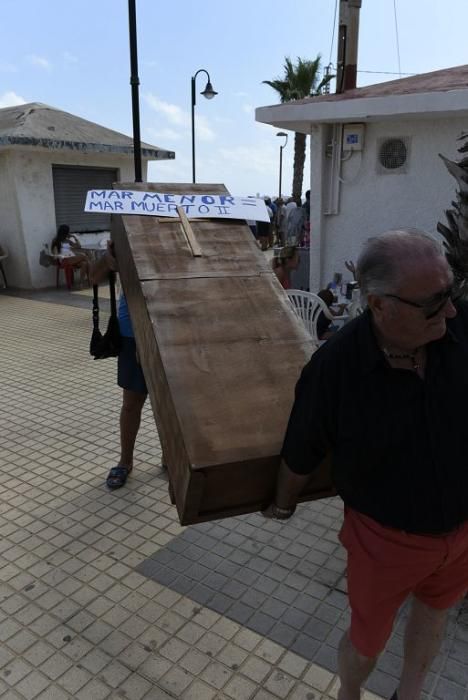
(70, 187)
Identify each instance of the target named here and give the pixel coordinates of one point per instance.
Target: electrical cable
(397, 39)
(384, 72)
(333, 33)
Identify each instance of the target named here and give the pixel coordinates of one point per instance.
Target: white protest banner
(221, 206)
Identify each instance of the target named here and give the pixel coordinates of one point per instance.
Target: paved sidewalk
(105, 595)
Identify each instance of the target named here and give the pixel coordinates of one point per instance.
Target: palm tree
(300, 80)
(456, 233)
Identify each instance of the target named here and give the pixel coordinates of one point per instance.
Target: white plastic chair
(308, 307)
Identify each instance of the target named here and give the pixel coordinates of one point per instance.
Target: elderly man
(387, 397)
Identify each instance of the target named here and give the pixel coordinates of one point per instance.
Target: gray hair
(381, 264)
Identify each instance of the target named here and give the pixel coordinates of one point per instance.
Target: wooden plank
(189, 234)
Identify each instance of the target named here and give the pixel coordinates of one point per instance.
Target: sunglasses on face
(435, 305)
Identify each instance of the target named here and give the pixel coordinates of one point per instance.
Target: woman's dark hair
(327, 296)
(62, 233)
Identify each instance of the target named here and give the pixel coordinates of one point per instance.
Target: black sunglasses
(431, 308)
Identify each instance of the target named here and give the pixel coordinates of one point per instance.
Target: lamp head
(208, 92)
(283, 133)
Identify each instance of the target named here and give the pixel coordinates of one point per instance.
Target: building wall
(26, 179)
(370, 203)
(10, 226)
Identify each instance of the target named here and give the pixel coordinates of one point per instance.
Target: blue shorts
(129, 373)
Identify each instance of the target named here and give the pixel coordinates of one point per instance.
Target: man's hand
(288, 488)
(349, 265)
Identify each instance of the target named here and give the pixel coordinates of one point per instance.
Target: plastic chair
(3, 256)
(308, 307)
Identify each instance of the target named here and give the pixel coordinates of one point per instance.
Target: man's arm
(307, 439)
(106, 263)
(289, 487)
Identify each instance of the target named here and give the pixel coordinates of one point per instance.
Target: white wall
(27, 195)
(371, 203)
(11, 235)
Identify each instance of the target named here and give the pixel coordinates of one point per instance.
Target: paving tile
(135, 687)
(154, 668)
(94, 689)
(74, 679)
(21, 641)
(256, 669)
(115, 673)
(53, 692)
(15, 671)
(216, 675)
(32, 685)
(56, 665)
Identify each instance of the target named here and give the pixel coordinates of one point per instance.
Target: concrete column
(317, 221)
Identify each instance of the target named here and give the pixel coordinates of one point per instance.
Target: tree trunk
(299, 160)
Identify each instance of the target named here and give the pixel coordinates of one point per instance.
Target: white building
(374, 160)
(48, 160)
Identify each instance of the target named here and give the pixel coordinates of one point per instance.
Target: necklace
(404, 356)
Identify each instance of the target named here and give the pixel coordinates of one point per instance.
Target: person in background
(273, 208)
(284, 263)
(281, 222)
(386, 399)
(129, 377)
(295, 222)
(264, 228)
(68, 250)
(324, 328)
(306, 207)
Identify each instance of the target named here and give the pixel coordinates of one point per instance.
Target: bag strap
(113, 303)
(95, 308)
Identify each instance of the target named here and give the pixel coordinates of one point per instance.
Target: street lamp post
(134, 82)
(281, 133)
(209, 93)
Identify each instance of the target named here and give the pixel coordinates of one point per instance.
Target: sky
(74, 56)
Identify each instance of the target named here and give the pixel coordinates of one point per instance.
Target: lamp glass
(208, 92)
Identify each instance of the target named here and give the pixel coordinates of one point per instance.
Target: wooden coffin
(221, 351)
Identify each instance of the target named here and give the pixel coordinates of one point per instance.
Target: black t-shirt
(399, 443)
(323, 324)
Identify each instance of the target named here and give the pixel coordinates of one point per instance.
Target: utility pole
(348, 35)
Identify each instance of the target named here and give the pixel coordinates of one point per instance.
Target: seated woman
(67, 247)
(324, 329)
(284, 263)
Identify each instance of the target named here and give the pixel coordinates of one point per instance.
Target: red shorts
(387, 565)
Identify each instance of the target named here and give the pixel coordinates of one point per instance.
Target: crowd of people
(289, 223)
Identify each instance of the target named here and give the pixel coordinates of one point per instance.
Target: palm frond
(301, 79)
(456, 233)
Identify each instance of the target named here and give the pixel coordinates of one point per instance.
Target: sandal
(117, 477)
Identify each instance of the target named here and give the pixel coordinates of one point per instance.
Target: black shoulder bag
(109, 344)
